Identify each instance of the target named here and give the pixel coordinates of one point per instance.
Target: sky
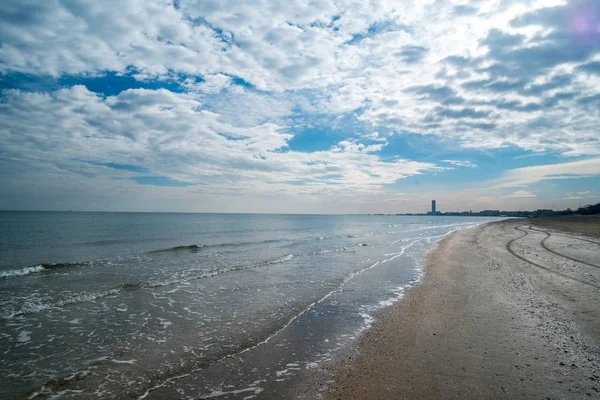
(299, 106)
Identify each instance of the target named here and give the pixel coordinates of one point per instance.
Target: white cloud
(374, 136)
(577, 195)
(172, 135)
(482, 75)
(519, 194)
(461, 163)
(210, 84)
(485, 200)
(529, 175)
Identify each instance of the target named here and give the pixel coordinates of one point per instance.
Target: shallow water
(181, 305)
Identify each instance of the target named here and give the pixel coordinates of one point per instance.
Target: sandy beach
(508, 309)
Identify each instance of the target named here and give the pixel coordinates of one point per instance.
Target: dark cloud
(458, 61)
(524, 66)
(590, 68)
(464, 10)
(516, 105)
(540, 123)
(558, 81)
(557, 98)
(578, 17)
(570, 36)
(412, 54)
(590, 101)
(496, 70)
(499, 86)
(496, 39)
(440, 94)
(461, 113)
(530, 61)
(506, 86)
(484, 126)
(573, 36)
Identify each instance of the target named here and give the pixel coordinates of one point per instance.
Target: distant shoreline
(484, 323)
(486, 214)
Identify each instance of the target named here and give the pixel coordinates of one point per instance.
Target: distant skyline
(299, 107)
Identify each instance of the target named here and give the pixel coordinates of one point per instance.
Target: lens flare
(585, 19)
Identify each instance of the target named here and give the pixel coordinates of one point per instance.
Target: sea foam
(22, 271)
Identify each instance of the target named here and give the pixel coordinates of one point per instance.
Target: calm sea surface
(193, 305)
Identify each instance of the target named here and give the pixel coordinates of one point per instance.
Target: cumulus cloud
(484, 69)
(249, 74)
(172, 135)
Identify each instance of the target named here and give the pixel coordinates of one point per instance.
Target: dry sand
(505, 310)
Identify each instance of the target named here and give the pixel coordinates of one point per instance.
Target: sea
(177, 306)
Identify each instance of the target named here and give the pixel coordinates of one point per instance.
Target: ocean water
(144, 305)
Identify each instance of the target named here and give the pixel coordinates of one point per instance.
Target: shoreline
(483, 323)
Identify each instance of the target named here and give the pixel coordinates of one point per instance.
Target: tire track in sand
(548, 234)
(511, 251)
(567, 236)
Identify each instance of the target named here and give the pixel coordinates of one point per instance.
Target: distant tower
(433, 206)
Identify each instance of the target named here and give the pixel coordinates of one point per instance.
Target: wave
(340, 248)
(30, 308)
(194, 248)
(51, 266)
(109, 242)
(22, 271)
(295, 314)
(37, 268)
(205, 274)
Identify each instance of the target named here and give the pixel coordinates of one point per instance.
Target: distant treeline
(591, 209)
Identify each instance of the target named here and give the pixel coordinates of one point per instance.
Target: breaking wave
(30, 307)
(195, 275)
(194, 248)
(36, 269)
(22, 271)
(340, 248)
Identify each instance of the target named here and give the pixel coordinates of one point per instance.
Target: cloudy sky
(308, 106)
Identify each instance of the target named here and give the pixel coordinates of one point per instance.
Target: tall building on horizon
(433, 208)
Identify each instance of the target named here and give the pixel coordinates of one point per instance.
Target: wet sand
(506, 310)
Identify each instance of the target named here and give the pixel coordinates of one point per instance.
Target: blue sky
(325, 107)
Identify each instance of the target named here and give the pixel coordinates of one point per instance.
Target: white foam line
(219, 393)
(256, 345)
(22, 271)
(311, 305)
(365, 316)
(210, 274)
(133, 361)
(79, 298)
(87, 297)
(352, 275)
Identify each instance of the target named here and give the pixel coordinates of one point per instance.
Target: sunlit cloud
(535, 174)
(519, 194)
(332, 101)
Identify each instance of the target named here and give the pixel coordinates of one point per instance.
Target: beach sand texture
(508, 310)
